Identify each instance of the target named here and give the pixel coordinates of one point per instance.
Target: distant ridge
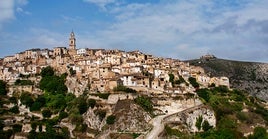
(249, 76)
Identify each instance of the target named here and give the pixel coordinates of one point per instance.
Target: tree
(206, 126)
(259, 133)
(171, 77)
(34, 125)
(3, 88)
(110, 120)
(198, 122)
(82, 106)
(15, 109)
(101, 114)
(91, 103)
(203, 93)
(145, 103)
(47, 71)
(124, 89)
(63, 115)
(17, 128)
(46, 113)
(193, 82)
(26, 99)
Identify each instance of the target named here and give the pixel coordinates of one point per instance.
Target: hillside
(249, 76)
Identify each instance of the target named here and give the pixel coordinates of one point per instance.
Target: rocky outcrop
(188, 118)
(75, 86)
(92, 120)
(205, 113)
(130, 117)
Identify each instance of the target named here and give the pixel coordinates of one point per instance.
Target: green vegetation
(15, 109)
(173, 132)
(193, 82)
(101, 114)
(110, 119)
(259, 133)
(231, 120)
(198, 123)
(23, 82)
(145, 103)
(47, 71)
(176, 82)
(46, 113)
(135, 135)
(26, 99)
(103, 95)
(17, 128)
(91, 103)
(72, 72)
(3, 88)
(206, 126)
(171, 77)
(180, 80)
(124, 89)
(38, 103)
(204, 94)
(52, 83)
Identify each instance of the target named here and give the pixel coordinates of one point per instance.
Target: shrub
(46, 113)
(259, 133)
(63, 115)
(91, 103)
(198, 122)
(17, 128)
(103, 95)
(241, 116)
(47, 71)
(101, 114)
(193, 82)
(221, 89)
(3, 88)
(124, 89)
(171, 77)
(82, 106)
(26, 99)
(15, 109)
(13, 100)
(145, 103)
(81, 128)
(110, 120)
(206, 126)
(23, 82)
(203, 93)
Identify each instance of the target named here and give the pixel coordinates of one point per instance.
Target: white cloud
(101, 3)
(8, 7)
(231, 31)
(7, 11)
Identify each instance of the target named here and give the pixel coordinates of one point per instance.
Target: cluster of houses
(106, 69)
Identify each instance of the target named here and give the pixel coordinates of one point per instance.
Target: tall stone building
(72, 44)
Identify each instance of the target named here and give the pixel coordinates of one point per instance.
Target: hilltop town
(105, 69)
(98, 93)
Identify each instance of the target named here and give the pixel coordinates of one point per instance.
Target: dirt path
(158, 123)
(158, 127)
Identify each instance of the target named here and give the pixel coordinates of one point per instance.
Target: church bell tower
(72, 44)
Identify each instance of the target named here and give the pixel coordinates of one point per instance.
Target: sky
(181, 29)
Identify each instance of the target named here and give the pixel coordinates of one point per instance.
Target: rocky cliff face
(92, 120)
(130, 117)
(249, 76)
(205, 113)
(77, 87)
